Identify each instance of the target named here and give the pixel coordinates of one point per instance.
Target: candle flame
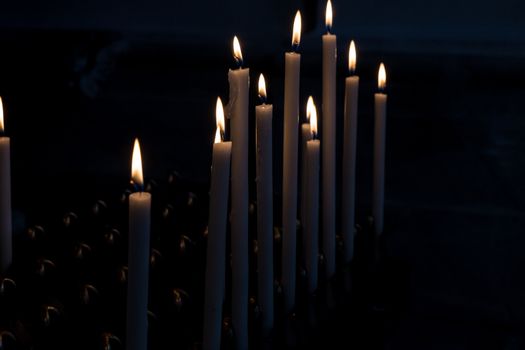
(237, 53)
(328, 16)
(262, 88)
(1, 115)
(136, 165)
(311, 114)
(218, 138)
(381, 77)
(309, 106)
(219, 119)
(296, 37)
(352, 58)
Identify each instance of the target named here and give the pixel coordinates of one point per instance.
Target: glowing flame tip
(1, 115)
(237, 53)
(262, 88)
(219, 117)
(328, 16)
(296, 37)
(381, 77)
(352, 58)
(311, 114)
(136, 165)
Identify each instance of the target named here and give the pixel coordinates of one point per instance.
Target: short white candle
(239, 85)
(6, 233)
(138, 259)
(311, 225)
(290, 146)
(216, 248)
(329, 142)
(378, 201)
(349, 156)
(263, 135)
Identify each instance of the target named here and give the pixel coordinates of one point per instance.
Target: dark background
(80, 80)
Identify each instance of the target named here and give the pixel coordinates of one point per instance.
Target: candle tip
(237, 53)
(352, 58)
(136, 166)
(1, 115)
(296, 37)
(262, 89)
(381, 77)
(219, 119)
(328, 16)
(311, 114)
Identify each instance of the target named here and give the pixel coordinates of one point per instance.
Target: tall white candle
(311, 225)
(263, 116)
(6, 233)
(138, 259)
(378, 201)
(306, 135)
(216, 248)
(239, 85)
(349, 156)
(329, 142)
(290, 146)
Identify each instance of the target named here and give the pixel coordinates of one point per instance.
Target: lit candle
(306, 135)
(291, 120)
(6, 233)
(138, 258)
(216, 248)
(239, 85)
(349, 156)
(263, 116)
(378, 201)
(311, 225)
(329, 141)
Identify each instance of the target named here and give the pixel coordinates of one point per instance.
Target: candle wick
(295, 47)
(137, 187)
(262, 99)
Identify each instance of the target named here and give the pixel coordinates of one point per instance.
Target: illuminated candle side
(290, 147)
(138, 258)
(328, 124)
(239, 80)
(349, 156)
(378, 200)
(311, 225)
(216, 247)
(264, 167)
(6, 233)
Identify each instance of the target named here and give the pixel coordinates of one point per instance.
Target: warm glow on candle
(328, 16)
(136, 165)
(296, 38)
(311, 114)
(1, 115)
(262, 88)
(352, 58)
(381, 77)
(219, 120)
(237, 53)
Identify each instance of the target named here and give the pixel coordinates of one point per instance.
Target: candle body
(264, 166)
(311, 228)
(6, 238)
(349, 168)
(138, 271)
(328, 151)
(378, 200)
(216, 249)
(290, 146)
(239, 80)
(306, 135)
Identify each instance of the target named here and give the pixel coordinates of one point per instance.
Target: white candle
(329, 141)
(349, 156)
(138, 259)
(6, 233)
(263, 116)
(306, 135)
(378, 201)
(216, 248)
(291, 121)
(239, 84)
(311, 225)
